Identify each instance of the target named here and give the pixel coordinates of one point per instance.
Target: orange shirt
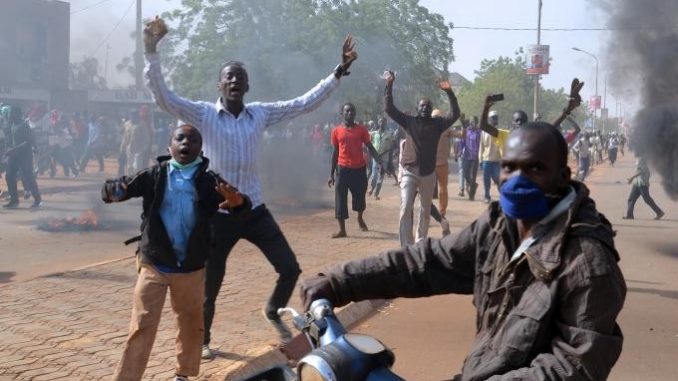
(350, 143)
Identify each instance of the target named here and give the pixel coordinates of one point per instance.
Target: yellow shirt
(491, 148)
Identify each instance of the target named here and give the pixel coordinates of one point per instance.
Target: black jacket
(155, 246)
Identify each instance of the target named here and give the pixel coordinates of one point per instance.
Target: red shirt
(570, 136)
(350, 143)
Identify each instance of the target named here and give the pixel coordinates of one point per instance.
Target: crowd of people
(539, 312)
(540, 262)
(35, 142)
(592, 147)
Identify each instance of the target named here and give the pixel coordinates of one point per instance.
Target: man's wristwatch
(340, 71)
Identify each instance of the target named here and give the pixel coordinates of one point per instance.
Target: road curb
(270, 357)
(58, 273)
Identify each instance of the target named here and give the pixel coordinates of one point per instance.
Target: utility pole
(108, 48)
(595, 58)
(607, 112)
(536, 78)
(139, 54)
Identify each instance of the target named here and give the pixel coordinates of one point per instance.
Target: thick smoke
(642, 56)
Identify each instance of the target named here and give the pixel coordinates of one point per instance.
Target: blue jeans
(490, 172)
(584, 164)
(377, 178)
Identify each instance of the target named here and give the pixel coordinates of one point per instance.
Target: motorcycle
(337, 355)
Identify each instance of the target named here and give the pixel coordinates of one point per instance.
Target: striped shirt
(232, 143)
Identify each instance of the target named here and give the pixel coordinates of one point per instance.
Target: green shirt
(381, 141)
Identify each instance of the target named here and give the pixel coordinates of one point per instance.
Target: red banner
(594, 102)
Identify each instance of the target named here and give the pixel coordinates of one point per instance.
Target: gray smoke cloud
(642, 55)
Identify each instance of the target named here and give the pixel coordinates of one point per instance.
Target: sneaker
(659, 216)
(280, 327)
(36, 204)
(461, 194)
(27, 195)
(11, 205)
(488, 200)
(446, 227)
(180, 378)
(206, 352)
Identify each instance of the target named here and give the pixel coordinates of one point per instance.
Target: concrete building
(34, 50)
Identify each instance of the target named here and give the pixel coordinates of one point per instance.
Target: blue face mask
(522, 199)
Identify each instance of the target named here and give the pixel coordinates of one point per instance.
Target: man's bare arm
(333, 166)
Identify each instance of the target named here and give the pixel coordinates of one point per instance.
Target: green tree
(289, 45)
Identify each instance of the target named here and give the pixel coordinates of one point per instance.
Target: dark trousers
(22, 163)
(612, 154)
(258, 227)
(66, 157)
(355, 181)
(636, 192)
(96, 152)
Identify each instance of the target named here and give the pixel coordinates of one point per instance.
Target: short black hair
(347, 104)
(171, 136)
(231, 63)
(561, 144)
(523, 115)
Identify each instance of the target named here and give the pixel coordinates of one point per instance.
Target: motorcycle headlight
(351, 357)
(313, 367)
(364, 343)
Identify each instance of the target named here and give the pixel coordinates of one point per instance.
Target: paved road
(431, 336)
(71, 325)
(29, 252)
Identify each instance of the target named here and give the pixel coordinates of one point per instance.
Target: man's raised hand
(575, 98)
(154, 31)
(445, 85)
(389, 77)
(348, 53)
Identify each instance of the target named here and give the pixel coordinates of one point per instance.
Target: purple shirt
(471, 144)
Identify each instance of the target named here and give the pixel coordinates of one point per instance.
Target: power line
(88, 7)
(565, 29)
(103, 42)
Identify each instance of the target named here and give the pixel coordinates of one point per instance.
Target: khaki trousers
(442, 171)
(187, 291)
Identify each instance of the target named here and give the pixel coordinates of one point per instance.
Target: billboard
(537, 59)
(594, 102)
